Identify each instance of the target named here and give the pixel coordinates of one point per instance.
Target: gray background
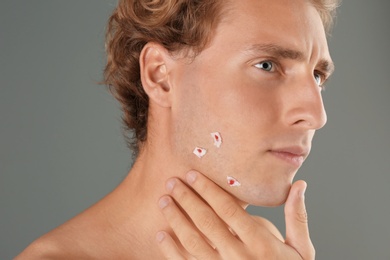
(61, 146)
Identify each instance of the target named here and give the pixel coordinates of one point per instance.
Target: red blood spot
(199, 151)
(216, 137)
(231, 182)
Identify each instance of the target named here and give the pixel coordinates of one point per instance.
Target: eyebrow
(326, 66)
(278, 51)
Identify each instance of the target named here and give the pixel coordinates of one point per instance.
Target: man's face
(257, 85)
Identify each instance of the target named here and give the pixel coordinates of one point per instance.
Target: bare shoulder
(42, 248)
(60, 243)
(271, 227)
(68, 241)
(92, 234)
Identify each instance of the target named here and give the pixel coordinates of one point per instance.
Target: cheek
(241, 99)
(245, 115)
(237, 108)
(189, 123)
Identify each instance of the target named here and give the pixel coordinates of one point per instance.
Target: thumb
(297, 229)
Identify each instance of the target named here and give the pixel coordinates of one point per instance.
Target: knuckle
(247, 227)
(208, 221)
(192, 243)
(229, 210)
(250, 227)
(302, 217)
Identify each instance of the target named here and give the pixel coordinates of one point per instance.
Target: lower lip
(293, 159)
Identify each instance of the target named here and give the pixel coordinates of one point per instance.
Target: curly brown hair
(176, 25)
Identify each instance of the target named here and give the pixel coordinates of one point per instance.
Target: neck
(138, 216)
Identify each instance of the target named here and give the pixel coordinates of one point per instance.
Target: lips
(295, 155)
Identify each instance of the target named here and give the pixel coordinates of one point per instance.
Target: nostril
(303, 122)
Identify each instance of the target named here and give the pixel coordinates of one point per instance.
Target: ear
(154, 74)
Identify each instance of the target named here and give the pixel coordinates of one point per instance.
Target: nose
(304, 106)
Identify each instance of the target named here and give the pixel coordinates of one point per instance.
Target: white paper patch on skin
(233, 182)
(200, 152)
(217, 139)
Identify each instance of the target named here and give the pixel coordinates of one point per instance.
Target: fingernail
(170, 184)
(160, 236)
(191, 177)
(163, 202)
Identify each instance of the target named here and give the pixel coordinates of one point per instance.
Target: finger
(297, 229)
(185, 231)
(168, 247)
(202, 215)
(227, 208)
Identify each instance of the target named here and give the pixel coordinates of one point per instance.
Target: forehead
(292, 24)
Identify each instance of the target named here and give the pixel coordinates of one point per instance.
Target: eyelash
(322, 76)
(265, 61)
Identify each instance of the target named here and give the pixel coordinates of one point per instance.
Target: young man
(231, 89)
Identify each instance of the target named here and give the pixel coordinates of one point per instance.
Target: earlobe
(154, 74)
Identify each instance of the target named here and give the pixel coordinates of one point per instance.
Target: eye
(265, 65)
(319, 78)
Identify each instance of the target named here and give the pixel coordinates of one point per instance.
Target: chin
(274, 202)
(273, 197)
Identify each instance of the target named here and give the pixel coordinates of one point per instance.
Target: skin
(258, 111)
(273, 107)
(247, 237)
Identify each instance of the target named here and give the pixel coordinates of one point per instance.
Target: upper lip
(294, 150)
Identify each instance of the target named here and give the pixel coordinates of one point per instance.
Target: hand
(210, 224)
